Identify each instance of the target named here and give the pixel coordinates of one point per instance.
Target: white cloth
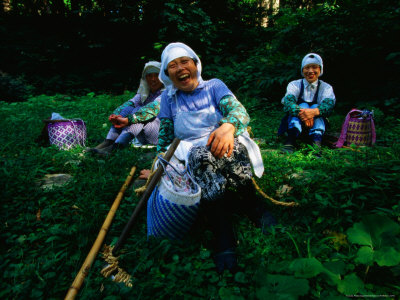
(254, 153)
(144, 89)
(325, 90)
(171, 52)
(56, 116)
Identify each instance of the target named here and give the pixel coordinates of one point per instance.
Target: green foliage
(14, 89)
(380, 238)
(82, 48)
(306, 256)
(280, 286)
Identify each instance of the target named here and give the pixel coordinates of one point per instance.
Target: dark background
(50, 47)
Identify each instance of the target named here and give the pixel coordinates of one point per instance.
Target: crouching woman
(307, 103)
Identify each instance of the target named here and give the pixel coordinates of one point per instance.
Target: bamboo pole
(145, 196)
(80, 277)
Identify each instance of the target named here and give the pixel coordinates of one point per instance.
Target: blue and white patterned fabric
(173, 205)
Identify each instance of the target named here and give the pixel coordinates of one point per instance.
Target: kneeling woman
(211, 124)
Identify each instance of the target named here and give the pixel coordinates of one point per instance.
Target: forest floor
(342, 240)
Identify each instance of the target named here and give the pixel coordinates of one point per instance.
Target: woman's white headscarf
(150, 67)
(171, 52)
(312, 58)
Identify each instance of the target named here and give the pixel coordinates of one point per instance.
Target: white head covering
(171, 52)
(312, 58)
(149, 67)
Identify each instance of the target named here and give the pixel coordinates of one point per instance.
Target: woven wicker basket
(358, 129)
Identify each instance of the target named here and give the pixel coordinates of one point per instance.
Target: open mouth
(183, 77)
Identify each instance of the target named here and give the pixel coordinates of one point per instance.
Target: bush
(14, 88)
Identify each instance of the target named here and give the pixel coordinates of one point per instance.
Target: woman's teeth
(183, 77)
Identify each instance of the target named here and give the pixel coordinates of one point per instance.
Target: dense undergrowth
(343, 239)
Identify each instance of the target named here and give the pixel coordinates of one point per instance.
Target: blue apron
(193, 128)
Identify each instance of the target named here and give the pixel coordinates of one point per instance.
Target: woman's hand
(221, 140)
(309, 123)
(308, 113)
(118, 121)
(113, 117)
(144, 174)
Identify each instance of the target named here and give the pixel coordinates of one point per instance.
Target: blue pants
(319, 124)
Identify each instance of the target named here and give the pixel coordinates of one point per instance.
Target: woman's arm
(326, 107)
(233, 123)
(234, 113)
(165, 135)
(131, 102)
(290, 105)
(145, 113)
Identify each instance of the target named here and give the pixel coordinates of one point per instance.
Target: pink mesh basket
(358, 128)
(66, 134)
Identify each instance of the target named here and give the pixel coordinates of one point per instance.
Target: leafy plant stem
(366, 273)
(294, 242)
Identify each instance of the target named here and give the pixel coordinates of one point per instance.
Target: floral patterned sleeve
(165, 135)
(290, 105)
(234, 113)
(131, 102)
(118, 110)
(145, 113)
(326, 107)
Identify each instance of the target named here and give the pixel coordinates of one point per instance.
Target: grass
(47, 234)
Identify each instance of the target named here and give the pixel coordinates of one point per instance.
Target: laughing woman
(211, 124)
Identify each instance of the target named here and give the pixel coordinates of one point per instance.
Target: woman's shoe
(104, 144)
(287, 148)
(226, 260)
(102, 152)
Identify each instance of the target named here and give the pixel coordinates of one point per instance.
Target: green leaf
(373, 230)
(240, 277)
(263, 293)
(387, 256)
(337, 267)
(306, 267)
(227, 294)
(365, 255)
(285, 287)
(359, 234)
(52, 238)
(350, 285)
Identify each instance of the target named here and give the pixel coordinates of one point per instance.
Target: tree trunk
(271, 7)
(6, 6)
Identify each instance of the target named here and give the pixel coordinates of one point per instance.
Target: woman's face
(183, 73)
(153, 82)
(311, 72)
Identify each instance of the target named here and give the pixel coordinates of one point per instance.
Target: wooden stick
(76, 285)
(146, 195)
